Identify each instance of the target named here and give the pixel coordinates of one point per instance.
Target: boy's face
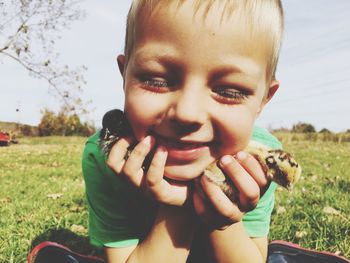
(197, 85)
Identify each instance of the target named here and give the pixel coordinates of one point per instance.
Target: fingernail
(162, 150)
(147, 140)
(241, 155)
(226, 159)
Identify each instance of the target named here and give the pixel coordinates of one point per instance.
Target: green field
(42, 197)
(317, 213)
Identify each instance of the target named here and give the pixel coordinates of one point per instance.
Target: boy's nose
(189, 108)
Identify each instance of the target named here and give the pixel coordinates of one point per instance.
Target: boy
(196, 76)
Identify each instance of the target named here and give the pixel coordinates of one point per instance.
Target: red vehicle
(4, 139)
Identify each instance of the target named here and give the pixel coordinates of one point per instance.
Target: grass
(317, 213)
(42, 197)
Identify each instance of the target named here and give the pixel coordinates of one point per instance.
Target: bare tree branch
(40, 75)
(28, 33)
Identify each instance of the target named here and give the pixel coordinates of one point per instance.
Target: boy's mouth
(181, 145)
(185, 151)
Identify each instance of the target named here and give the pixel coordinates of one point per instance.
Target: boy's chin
(182, 172)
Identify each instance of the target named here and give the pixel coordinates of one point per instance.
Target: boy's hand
(215, 208)
(152, 181)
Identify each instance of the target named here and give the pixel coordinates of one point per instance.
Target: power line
(317, 92)
(333, 31)
(323, 51)
(344, 111)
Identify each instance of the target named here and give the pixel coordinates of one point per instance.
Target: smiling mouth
(185, 145)
(181, 145)
(184, 151)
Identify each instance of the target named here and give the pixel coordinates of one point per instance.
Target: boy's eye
(230, 95)
(156, 83)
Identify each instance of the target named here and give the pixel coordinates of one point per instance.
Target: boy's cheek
(141, 119)
(137, 125)
(235, 137)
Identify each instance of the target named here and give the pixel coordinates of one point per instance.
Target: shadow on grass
(67, 238)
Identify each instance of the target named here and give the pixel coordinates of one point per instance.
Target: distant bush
(281, 129)
(27, 130)
(329, 136)
(16, 129)
(345, 137)
(311, 136)
(63, 124)
(325, 130)
(303, 128)
(320, 137)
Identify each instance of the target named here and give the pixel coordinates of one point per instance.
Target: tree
(63, 123)
(28, 32)
(303, 128)
(325, 130)
(48, 123)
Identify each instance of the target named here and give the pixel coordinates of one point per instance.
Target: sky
(313, 69)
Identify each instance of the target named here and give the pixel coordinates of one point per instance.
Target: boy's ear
(271, 91)
(121, 64)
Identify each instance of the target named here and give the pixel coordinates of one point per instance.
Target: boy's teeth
(186, 146)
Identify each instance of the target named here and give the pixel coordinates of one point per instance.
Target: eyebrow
(167, 59)
(230, 65)
(220, 72)
(239, 64)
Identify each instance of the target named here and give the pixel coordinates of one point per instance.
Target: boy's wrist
(234, 243)
(219, 229)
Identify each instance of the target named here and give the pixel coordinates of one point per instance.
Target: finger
(172, 193)
(160, 189)
(116, 157)
(253, 167)
(155, 171)
(207, 213)
(219, 201)
(249, 190)
(199, 203)
(199, 188)
(133, 165)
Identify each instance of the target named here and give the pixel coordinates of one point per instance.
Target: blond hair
(264, 16)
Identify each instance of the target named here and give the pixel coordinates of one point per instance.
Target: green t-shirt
(119, 215)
